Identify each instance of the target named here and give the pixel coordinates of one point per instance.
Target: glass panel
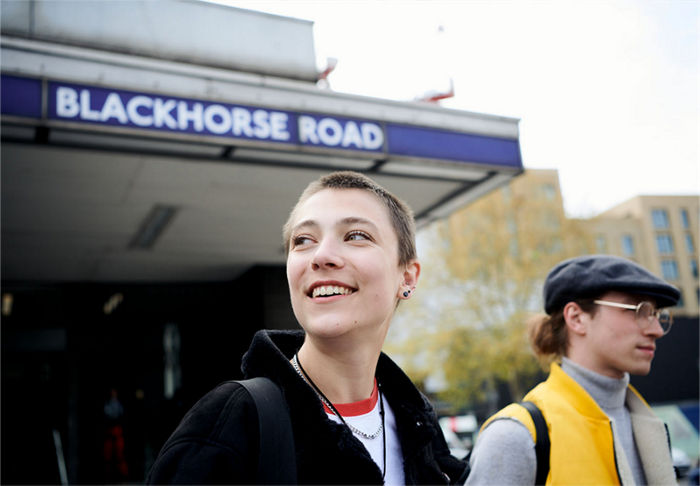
(627, 245)
(685, 220)
(689, 244)
(669, 269)
(664, 244)
(659, 218)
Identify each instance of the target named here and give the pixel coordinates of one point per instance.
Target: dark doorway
(159, 346)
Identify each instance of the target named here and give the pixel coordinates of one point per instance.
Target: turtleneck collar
(608, 392)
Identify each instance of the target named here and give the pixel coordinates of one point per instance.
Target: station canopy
(169, 144)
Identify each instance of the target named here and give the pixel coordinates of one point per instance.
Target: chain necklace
(300, 370)
(329, 405)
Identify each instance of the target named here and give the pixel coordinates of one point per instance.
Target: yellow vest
(584, 449)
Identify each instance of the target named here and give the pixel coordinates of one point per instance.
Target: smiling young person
(603, 322)
(356, 417)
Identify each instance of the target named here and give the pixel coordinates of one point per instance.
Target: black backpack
(542, 443)
(277, 462)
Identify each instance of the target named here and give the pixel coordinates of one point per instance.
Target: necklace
(331, 407)
(300, 370)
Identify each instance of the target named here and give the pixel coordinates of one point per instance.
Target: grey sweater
(504, 453)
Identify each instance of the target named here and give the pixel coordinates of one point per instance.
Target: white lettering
(132, 108)
(278, 124)
(372, 136)
(241, 122)
(217, 119)
(113, 108)
(185, 115)
(351, 135)
(307, 130)
(262, 126)
(67, 105)
(86, 113)
(161, 113)
(330, 131)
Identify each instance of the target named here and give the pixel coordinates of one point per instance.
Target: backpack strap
(277, 457)
(542, 445)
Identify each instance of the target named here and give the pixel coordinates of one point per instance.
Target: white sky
(607, 91)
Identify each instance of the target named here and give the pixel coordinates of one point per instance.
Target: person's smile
(329, 291)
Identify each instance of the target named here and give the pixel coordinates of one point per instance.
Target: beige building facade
(661, 234)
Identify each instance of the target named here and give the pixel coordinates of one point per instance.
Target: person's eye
(357, 236)
(301, 240)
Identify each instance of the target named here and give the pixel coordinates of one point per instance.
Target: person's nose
(327, 255)
(654, 328)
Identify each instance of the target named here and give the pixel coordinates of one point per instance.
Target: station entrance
(145, 182)
(159, 346)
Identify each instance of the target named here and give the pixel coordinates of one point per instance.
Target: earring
(405, 294)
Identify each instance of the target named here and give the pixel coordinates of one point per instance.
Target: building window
(627, 245)
(664, 244)
(689, 243)
(694, 268)
(601, 244)
(659, 218)
(669, 269)
(685, 220)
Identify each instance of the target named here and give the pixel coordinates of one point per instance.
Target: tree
(483, 271)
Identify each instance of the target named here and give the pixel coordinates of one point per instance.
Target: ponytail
(549, 336)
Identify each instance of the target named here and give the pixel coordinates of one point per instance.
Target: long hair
(548, 334)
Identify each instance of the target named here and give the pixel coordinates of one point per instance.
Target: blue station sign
(96, 105)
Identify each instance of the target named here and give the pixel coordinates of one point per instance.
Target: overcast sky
(606, 91)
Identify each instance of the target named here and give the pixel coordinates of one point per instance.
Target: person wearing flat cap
(604, 316)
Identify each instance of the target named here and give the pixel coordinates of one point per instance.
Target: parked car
(460, 432)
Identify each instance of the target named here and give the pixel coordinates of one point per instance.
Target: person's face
(616, 342)
(342, 266)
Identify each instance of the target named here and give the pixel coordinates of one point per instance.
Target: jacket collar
(585, 404)
(575, 394)
(269, 356)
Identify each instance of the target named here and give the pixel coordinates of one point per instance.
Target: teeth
(324, 290)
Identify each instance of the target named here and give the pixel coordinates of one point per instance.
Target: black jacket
(326, 452)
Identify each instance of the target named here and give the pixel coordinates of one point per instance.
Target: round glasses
(644, 313)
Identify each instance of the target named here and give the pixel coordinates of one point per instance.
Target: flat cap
(590, 276)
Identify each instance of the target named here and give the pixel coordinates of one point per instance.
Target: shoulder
(503, 428)
(518, 415)
(216, 440)
(504, 454)
(214, 411)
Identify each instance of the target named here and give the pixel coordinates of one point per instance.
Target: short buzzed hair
(400, 213)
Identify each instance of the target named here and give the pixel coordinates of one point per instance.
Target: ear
(575, 318)
(410, 279)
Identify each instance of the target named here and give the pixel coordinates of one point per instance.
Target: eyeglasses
(644, 313)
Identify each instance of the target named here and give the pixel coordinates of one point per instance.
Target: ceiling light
(153, 225)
